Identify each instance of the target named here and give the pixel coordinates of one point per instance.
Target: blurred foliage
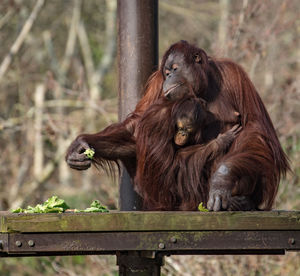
(262, 36)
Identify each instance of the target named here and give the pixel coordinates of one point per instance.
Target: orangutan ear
(201, 58)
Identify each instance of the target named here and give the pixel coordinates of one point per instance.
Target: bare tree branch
(20, 39)
(88, 62)
(38, 159)
(6, 17)
(240, 24)
(223, 26)
(34, 185)
(106, 61)
(71, 37)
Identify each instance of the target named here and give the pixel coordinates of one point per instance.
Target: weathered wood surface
(149, 221)
(166, 232)
(172, 241)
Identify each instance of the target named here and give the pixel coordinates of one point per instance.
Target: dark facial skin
(178, 76)
(185, 128)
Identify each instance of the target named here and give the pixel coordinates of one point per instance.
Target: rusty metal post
(132, 263)
(137, 57)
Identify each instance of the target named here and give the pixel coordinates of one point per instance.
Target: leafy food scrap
(51, 205)
(89, 153)
(201, 208)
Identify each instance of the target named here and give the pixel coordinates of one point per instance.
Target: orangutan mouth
(173, 87)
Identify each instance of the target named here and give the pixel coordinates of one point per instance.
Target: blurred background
(58, 78)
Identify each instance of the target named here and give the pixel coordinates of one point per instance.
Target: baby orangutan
(185, 129)
(191, 116)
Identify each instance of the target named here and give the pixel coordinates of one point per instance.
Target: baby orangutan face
(188, 125)
(185, 129)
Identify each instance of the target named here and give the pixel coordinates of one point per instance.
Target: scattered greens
(89, 153)
(201, 208)
(51, 205)
(94, 207)
(57, 205)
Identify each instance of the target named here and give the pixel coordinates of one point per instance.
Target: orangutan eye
(167, 72)
(174, 66)
(197, 58)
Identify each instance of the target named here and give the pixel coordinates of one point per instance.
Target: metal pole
(134, 264)
(137, 57)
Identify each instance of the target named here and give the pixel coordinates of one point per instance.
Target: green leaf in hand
(89, 153)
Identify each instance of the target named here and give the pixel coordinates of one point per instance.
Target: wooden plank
(103, 242)
(149, 221)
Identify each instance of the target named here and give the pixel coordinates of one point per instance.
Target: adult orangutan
(251, 169)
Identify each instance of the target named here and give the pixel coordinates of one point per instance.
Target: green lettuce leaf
(89, 153)
(201, 208)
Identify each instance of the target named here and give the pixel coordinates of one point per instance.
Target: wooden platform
(164, 232)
